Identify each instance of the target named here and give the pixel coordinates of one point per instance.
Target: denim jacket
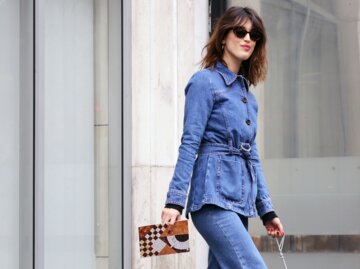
(218, 155)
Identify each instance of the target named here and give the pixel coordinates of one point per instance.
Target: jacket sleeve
(263, 200)
(199, 100)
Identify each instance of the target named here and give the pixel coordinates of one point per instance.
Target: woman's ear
(222, 45)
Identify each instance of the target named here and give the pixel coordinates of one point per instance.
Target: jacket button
(244, 99)
(248, 121)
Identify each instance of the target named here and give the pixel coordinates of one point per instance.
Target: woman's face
(238, 49)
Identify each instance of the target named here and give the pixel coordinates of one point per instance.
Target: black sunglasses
(241, 32)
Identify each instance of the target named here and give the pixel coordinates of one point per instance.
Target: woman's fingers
(169, 216)
(279, 228)
(274, 228)
(172, 219)
(271, 232)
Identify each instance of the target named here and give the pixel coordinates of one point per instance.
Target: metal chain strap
(280, 246)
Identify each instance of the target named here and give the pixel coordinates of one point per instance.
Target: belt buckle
(246, 148)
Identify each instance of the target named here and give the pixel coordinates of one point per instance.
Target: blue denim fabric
(218, 152)
(230, 245)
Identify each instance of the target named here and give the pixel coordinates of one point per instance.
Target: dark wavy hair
(254, 68)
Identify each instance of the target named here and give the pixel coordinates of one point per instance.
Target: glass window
(79, 180)
(10, 107)
(16, 116)
(308, 96)
(66, 123)
(62, 153)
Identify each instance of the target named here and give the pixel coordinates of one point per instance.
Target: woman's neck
(232, 64)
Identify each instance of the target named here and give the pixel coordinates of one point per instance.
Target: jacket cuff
(176, 197)
(264, 206)
(175, 206)
(268, 217)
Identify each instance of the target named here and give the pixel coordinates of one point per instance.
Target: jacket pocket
(230, 178)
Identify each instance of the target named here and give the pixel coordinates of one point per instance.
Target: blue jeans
(231, 246)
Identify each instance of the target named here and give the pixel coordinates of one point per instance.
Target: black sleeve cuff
(175, 206)
(269, 216)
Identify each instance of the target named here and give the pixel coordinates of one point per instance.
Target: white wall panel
(141, 89)
(163, 81)
(141, 211)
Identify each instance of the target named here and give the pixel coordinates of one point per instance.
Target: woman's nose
(247, 37)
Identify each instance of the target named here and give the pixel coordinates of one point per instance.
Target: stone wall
(167, 38)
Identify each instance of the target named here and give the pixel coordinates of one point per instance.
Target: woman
(218, 151)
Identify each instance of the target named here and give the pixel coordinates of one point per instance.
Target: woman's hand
(274, 228)
(170, 216)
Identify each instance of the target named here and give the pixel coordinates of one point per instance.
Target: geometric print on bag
(158, 239)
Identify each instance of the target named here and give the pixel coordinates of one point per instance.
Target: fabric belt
(244, 152)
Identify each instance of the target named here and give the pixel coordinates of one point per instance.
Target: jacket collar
(228, 76)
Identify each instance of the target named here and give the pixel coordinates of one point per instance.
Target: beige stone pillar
(166, 37)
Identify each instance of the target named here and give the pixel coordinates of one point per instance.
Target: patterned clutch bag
(156, 240)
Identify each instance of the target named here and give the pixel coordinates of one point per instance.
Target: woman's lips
(245, 47)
